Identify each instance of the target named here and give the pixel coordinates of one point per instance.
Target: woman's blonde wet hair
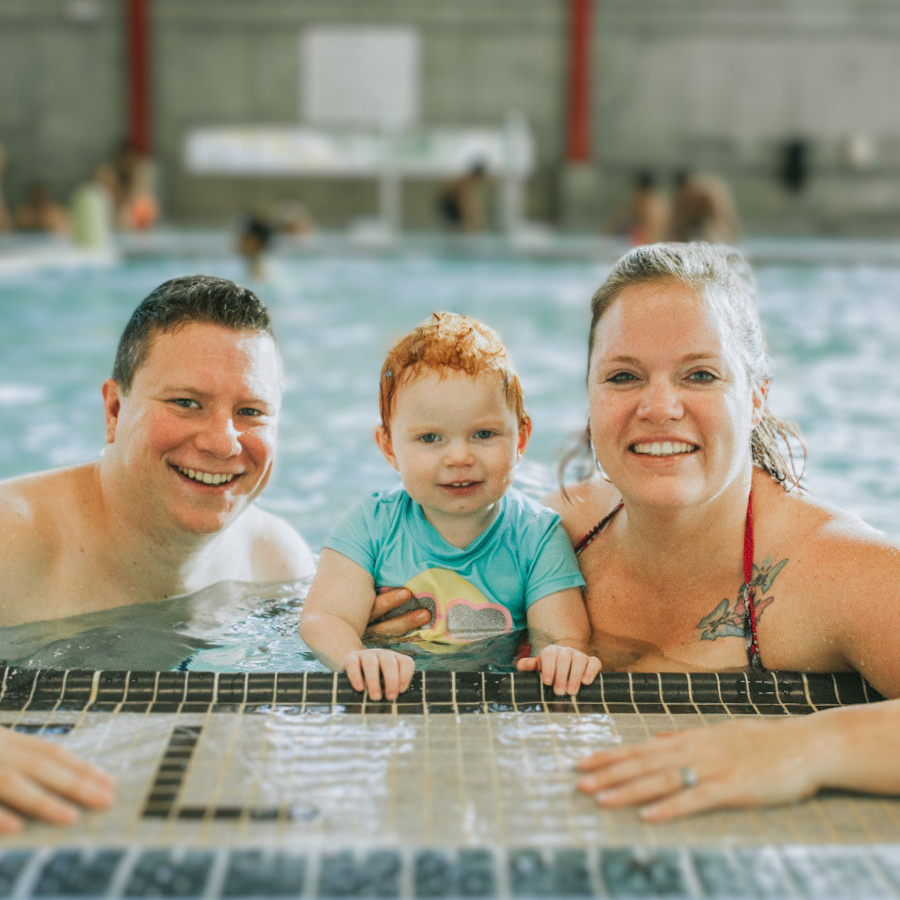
(723, 278)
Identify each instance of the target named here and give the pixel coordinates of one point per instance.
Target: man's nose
(219, 437)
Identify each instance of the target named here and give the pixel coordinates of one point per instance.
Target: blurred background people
(703, 210)
(5, 218)
(646, 216)
(461, 201)
(40, 212)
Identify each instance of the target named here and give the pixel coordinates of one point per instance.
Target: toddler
(482, 557)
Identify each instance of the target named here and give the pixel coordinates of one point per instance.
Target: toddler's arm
(560, 633)
(335, 615)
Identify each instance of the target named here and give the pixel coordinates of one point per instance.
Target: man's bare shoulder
(30, 505)
(277, 552)
(582, 505)
(36, 513)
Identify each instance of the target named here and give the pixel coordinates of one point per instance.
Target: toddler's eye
(429, 438)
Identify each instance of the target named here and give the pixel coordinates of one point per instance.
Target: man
(191, 418)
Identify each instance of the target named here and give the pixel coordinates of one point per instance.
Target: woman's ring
(688, 777)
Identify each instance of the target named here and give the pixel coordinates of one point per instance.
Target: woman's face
(671, 405)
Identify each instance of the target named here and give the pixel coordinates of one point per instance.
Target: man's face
(193, 442)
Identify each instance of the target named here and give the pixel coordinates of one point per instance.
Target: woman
(698, 511)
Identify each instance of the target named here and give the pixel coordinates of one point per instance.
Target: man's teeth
(664, 448)
(205, 477)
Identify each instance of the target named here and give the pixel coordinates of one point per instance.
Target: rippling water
(834, 334)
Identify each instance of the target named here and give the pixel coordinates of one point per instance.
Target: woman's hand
(41, 779)
(742, 763)
(366, 668)
(399, 625)
(563, 667)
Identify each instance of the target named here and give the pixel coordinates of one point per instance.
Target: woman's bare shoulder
(582, 505)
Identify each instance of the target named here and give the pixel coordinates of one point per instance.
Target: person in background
(646, 217)
(5, 218)
(41, 213)
(484, 558)
(461, 201)
(703, 210)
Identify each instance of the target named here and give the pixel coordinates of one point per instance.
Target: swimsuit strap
(746, 592)
(582, 544)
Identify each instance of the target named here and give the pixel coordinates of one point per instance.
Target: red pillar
(578, 137)
(138, 62)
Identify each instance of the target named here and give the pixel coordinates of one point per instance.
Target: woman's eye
(703, 377)
(622, 378)
(484, 434)
(429, 438)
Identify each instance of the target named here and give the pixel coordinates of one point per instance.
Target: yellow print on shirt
(460, 613)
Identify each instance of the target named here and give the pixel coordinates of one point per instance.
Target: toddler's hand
(366, 668)
(563, 667)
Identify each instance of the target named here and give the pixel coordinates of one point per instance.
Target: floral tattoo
(727, 619)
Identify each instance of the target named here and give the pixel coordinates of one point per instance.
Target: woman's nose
(660, 402)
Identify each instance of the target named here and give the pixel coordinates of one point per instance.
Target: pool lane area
(295, 785)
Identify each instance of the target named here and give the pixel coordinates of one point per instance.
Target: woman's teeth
(205, 477)
(663, 448)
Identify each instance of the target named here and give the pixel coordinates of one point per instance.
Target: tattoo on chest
(727, 619)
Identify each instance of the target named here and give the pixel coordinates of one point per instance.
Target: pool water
(833, 334)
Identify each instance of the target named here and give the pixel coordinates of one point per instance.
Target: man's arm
(41, 779)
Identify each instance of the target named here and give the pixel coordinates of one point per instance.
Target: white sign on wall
(360, 76)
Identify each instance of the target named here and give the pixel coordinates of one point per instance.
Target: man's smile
(205, 477)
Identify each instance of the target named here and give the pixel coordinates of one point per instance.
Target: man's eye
(484, 434)
(429, 438)
(186, 403)
(250, 411)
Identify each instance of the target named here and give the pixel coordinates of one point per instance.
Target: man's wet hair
(183, 301)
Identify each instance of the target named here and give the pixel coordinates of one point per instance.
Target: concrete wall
(718, 85)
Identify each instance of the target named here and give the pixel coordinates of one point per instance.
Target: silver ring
(688, 777)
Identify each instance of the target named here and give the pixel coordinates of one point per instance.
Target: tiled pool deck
(294, 785)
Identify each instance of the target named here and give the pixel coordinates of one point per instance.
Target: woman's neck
(684, 545)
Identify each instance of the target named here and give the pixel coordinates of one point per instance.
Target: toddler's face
(455, 443)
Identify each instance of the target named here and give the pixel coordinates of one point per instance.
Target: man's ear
(524, 437)
(112, 403)
(385, 445)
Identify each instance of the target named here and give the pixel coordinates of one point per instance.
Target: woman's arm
(750, 763)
